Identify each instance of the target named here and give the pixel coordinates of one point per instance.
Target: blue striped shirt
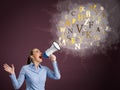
(35, 78)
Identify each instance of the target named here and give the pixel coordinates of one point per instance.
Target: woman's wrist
(53, 60)
(12, 73)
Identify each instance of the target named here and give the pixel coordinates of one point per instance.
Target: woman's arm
(17, 83)
(56, 73)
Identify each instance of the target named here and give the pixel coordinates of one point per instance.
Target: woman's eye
(37, 51)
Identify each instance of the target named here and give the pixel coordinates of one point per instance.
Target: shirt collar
(32, 65)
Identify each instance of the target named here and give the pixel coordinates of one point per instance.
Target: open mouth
(40, 57)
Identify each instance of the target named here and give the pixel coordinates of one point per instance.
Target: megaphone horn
(54, 47)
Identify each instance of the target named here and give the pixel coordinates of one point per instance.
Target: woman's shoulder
(25, 66)
(44, 67)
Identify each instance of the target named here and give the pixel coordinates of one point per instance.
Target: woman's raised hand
(52, 57)
(10, 70)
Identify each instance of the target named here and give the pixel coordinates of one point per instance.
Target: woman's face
(37, 55)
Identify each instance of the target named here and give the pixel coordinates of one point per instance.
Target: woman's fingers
(8, 68)
(6, 65)
(52, 57)
(12, 66)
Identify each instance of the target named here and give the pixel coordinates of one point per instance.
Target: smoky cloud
(112, 8)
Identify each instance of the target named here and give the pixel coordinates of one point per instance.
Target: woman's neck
(36, 64)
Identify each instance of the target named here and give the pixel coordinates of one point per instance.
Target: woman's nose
(40, 52)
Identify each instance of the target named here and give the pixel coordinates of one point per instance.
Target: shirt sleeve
(54, 74)
(17, 83)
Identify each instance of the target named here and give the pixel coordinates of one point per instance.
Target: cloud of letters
(82, 27)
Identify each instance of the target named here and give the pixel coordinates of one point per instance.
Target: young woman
(33, 73)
